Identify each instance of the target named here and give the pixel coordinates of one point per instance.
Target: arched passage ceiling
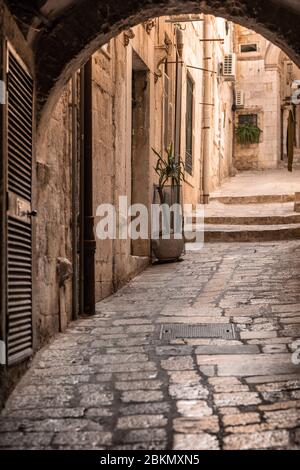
(64, 33)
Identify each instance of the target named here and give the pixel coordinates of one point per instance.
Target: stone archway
(64, 34)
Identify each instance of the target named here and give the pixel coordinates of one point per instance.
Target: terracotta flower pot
(168, 250)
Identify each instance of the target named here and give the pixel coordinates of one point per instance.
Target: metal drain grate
(207, 330)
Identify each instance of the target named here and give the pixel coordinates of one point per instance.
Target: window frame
(252, 119)
(254, 44)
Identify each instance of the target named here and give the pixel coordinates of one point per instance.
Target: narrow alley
(149, 227)
(113, 382)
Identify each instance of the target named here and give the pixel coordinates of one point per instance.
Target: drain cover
(206, 330)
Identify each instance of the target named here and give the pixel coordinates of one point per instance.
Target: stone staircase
(249, 219)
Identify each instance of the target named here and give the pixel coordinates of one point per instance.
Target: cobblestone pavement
(110, 382)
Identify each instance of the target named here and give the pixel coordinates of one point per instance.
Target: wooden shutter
(19, 226)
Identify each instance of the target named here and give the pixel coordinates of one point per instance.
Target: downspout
(89, 237)
(234, 115)
(178, 92)
(81, 196)
(178, 98)
(74, 198)
(233, 129)
(206, 115)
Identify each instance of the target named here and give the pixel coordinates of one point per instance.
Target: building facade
(264, 88)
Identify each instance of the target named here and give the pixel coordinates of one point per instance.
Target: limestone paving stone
(274, 349)
(193, 408)
(146, 408)
(248, 365)
(135, 376)
(194, 426)
(280, 405)
(139, 385)
(19, 440)
(86, 439)
(271, 378)
(189, 378)
(141, 396)
(145, 435)
(278, 386)
(187, 392)
(250, 428)
(239, 349)
(202, 441)
(227, 384)
(178, 363)
(259, 440)
(285, 419)
(240, 419)
(141, 422)
(236, 399)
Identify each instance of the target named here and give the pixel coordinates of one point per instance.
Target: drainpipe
(81, 195)
(233, 129)
(74, 199)
(178, 99)
(178, 92)
(206, 115)
(89, 236)
(234, 115)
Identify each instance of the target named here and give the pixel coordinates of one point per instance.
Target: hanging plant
(248, 134)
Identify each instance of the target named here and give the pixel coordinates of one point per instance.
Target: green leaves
(169, 167)
(248, 134)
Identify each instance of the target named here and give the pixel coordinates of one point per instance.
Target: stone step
(255, 199)
(252, 220)
(248, 233)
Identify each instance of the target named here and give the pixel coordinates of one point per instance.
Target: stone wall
(104, 162)
(53, 224)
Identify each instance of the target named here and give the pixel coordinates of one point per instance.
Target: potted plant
(167, 246)
(248, 134)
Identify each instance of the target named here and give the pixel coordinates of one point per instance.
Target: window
(248, 48)
(189, 125)
(250, 119)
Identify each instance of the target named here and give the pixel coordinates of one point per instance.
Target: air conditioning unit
(229, 67)
(239, 99)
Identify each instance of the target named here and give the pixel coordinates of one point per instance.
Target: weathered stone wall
(104, 163)
(53, 224)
